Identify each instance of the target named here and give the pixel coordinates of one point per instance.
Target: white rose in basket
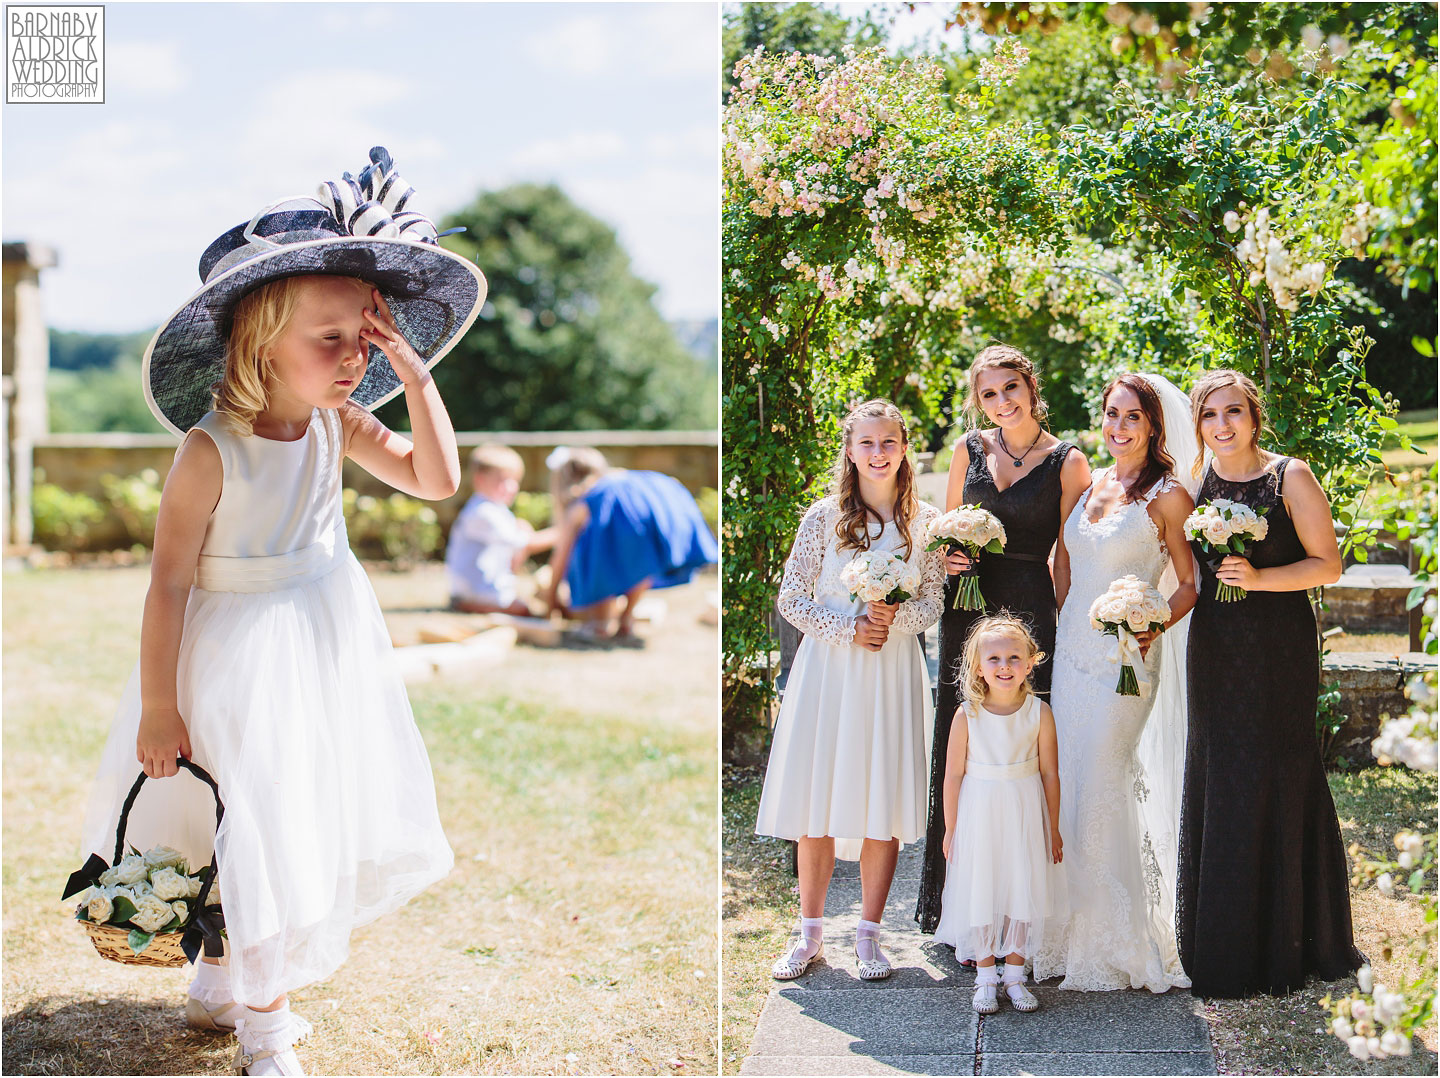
(131, 870)
(164, 857)
(100, 907)
(1223, 527)
(180, 910)
(151, 913)
(968, 529)
(169, 885)
(1127, 607)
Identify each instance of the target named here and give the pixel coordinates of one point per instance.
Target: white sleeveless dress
(851, 745)
(293, 703)
(1002, 892)
(1121, 932)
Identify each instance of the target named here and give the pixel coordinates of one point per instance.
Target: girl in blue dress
(620, 533)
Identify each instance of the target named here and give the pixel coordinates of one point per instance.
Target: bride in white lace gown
(1120, 818)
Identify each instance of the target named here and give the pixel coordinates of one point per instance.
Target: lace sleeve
(918, 614)
(796, 603)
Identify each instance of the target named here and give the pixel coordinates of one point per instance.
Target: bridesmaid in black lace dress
(1030, 480)
(1263, 895)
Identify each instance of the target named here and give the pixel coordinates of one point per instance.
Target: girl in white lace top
(847, 774)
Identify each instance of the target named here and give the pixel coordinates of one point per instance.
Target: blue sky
(213, 110)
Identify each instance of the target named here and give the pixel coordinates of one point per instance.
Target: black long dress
(1018, 581)
(1262, 897)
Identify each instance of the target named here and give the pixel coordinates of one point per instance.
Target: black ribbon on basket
(206, 924)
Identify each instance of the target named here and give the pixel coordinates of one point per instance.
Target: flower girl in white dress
(263, 657)
(1004, 883)
(847, 767)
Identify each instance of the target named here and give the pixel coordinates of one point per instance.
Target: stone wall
(1372, 687)
(75, 462)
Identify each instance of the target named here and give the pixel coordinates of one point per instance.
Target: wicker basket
(113, 942)
(165, 950)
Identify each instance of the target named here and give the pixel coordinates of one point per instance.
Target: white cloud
(578, 146)
(145, 67)
(644, 40)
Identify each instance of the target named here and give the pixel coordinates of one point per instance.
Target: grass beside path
(576, 934)
(1261, 1035)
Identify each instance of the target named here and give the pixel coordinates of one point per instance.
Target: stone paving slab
(1097, 1063)
(898, 1022)
(1072, 1022)
(858, 1065)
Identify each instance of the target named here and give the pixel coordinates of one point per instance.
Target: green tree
(569, 338)
(99, 398)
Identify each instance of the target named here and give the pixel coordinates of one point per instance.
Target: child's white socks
(874, 966)
(210, 1003)
(812, 931)
(267, 1039)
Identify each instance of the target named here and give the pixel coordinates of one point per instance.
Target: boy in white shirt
(488, 545)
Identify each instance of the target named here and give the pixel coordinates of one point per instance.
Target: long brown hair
(972, 682)
(1010, 359)
(1219, 380)
(1158, 461)
(853, 525)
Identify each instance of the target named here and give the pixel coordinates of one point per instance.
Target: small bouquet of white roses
(878, 576)
(147, 895)
(1127, 607)
(968, 529)
(1222, 527)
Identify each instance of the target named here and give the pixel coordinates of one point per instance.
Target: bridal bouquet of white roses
(1224, 527)
(1127, 607)
(148, 893)
(968, 529)
(878, 576)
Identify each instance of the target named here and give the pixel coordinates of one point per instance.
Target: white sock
(813, 931)
(212, 983)
(869, 930)
(986, 975)
(1014, 974)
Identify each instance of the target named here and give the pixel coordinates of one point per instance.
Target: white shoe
(874, 966)
(985, 1001)
(1020, 997)
(216, 1016)
(282, 1061)
(794, 961)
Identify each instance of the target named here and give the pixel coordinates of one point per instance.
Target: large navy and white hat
(355, 227)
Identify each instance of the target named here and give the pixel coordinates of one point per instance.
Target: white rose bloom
(193, 886)
(1217, 531)
(110, 877)
(1138, 621)
(213, 898)
(151, 913)
(1372, 1044)
(99, 907)
(131, 871)
(1342, 1028)
(163, 857)
(1358, 1048)
(1395, 1043)
(1385, 884)
(169, 885)
(1366, 979)
(1411, 843)
(179, 909)
(1406, 861)
(1261, 528)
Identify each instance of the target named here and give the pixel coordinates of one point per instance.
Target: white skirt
(294, 705)
(1001, 889)
(850, 751)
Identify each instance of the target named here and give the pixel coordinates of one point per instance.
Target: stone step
(1369, 598)
(1372, 686)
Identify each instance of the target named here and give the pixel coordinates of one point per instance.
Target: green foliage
(99, 396)
(62, 520)
(534, 508)
(568, 338)
(70, 351)
(399, 528)
(799, 28)
(135, 501)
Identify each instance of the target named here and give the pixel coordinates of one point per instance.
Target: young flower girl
(263, 655)
(846, 776)
(1003, 880)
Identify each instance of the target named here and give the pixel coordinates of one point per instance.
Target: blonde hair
(972, 683)
(1011, 359)
(575, 474)
(1208, 384)
(492, 457)
(852, 527)
(257, 322)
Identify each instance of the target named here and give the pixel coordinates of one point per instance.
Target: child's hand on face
(382, 332)
(869, 634)
(881, 613)
(162, 737)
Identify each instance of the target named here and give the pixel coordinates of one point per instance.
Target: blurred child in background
(488, 544)
(619, 533)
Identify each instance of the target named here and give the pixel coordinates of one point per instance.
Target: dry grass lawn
(575, 936)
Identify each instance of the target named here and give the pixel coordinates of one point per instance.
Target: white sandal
(875, 968)
(281, 1061)
(793, 962)
(1020, 997)
(985, 1001)
(218, 1016)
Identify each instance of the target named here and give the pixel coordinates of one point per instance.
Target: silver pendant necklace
(1020, 460)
